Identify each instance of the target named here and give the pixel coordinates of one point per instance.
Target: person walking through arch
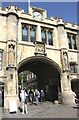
(26, 99)
(37, 94)
(42, 95)
(31, 95)
(23, 96)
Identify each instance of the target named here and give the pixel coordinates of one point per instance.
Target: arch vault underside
(47, 72)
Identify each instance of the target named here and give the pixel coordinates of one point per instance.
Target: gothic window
(47, 36)
(28, 33)
(73, 67)
(0, 60)
(43, 35)
(72, 41)
(24, 33)
(32, 34)
(69, 42)
(50, 40)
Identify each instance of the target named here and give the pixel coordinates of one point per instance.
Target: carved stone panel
(39, 48)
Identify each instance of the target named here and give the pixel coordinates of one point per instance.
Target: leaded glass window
(24, 34)
(32, 34)
(69, 42)
(74, 42)
(43, 36)
(50, 39)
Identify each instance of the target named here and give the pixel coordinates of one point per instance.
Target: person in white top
(75, 97)
(22, 95)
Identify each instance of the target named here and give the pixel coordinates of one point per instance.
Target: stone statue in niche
(11, 55)
(65, 57)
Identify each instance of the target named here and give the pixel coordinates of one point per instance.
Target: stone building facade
(48, 47)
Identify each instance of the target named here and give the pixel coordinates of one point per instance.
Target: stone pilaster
(78, 52)
(38, 33)
(61, 34)
(11, 69)
(67, 95)
(28, 33)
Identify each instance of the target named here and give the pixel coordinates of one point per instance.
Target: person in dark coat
(31, 95)
(42, 95)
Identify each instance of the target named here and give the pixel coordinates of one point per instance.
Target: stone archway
(47, 72)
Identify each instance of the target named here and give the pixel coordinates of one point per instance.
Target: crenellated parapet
(71, 25)
(60, 21)
(12, 9)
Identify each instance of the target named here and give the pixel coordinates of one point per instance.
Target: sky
(66, 10)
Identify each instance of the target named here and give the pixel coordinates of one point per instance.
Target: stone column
(38, 33)
(47, 37)
(11, 67)
(78, 52)
(67, 95)
(61, 34)
(28, 33)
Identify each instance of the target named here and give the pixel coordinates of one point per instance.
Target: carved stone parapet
(60, 22)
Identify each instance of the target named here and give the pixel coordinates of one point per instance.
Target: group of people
(36, 95)
(31, 96)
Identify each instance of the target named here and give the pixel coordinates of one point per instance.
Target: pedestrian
(22, 95)
(37, 94)
(26, 99)
(19, 91)
(42, 94)
(31, 95)
(75, 97)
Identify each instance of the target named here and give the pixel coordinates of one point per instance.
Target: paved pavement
(44, 110)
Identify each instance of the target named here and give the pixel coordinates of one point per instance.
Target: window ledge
(73, 50)
(73, 76)
(26, 43)
(50, 46)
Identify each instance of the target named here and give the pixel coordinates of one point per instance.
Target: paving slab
(45, 110)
